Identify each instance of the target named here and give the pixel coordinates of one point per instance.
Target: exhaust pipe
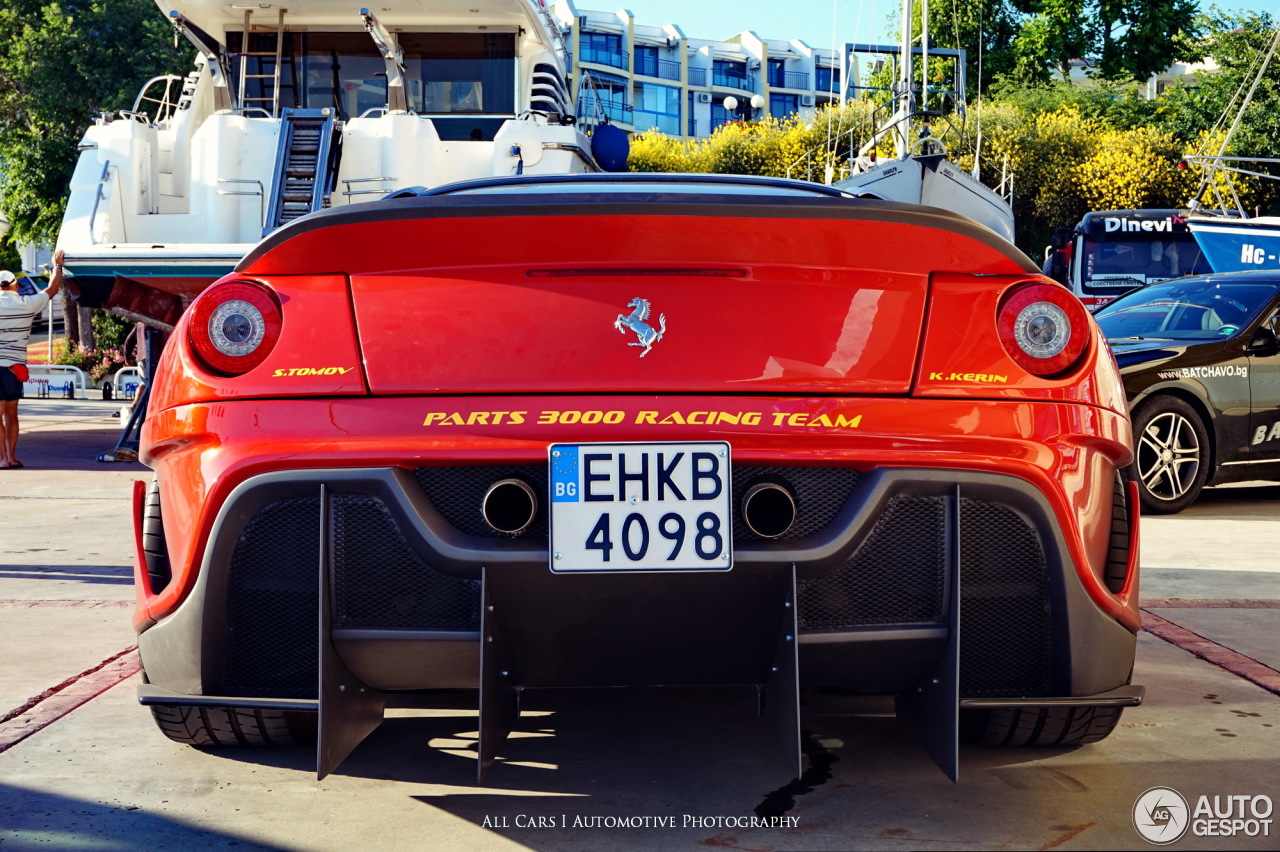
(509, 506)
(768, 509)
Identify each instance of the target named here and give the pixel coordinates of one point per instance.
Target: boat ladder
(269, 93)
(304, 165)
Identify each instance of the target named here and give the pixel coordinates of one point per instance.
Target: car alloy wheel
(1171, 455)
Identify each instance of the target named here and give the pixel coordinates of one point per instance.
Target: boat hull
(1238, 245)
(934, 181)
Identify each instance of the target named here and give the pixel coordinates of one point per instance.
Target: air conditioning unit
(807, 100)
(704, 97)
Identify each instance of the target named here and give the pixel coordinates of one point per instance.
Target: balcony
(734, 79)
(616, 110)
(789, 80)
(697, 76)
(796, 80)
(660, 68)
(606, 56)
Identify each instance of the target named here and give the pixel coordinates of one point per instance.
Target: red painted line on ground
(51, 705)
(1210, 603)
(15, 604)
(1061, 839)
(1206, 649)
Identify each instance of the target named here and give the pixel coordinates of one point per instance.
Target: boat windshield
(1130, 260)
(1196, 309)
(447, 75)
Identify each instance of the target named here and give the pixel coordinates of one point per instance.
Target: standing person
(16, 314)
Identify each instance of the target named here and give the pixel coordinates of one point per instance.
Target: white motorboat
(294, 108)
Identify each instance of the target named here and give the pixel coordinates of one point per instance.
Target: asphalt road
(83, 767)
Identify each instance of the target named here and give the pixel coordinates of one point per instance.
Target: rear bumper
(874, 599)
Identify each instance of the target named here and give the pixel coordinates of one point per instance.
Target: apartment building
(642, 76)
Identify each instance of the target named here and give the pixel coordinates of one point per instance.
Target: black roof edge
(818, 201)
(639, 178)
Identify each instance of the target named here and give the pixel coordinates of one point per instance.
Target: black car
(1200, 357)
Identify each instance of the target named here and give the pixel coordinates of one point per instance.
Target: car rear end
(442, 422)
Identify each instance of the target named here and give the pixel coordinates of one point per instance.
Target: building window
(777, 72)
(733, 75)
(602, 48)
(605, 96)
(781, 106)
(827, 80)
(720, 116)
(657, 106)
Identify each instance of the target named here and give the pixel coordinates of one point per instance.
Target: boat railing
(165, 104)
(350, 192)
(103, 180)
(1216, 178)
(260, 192)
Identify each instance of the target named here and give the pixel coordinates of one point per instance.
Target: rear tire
(154, 549)
(224, 726)
(1064, 727)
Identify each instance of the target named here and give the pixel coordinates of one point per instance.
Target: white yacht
(299, 106)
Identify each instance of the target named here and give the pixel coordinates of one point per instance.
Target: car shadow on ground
(31, 819)
(633, 743)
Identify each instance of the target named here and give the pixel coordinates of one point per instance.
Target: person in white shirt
(16, 313)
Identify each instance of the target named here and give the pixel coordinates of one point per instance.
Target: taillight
(234, 326)
(1043, 327)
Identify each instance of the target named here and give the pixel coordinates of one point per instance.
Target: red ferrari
(636, 430)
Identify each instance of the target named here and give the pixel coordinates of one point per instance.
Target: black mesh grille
(1004, 608)
(820, 493)
(456, 493)
(273, 603)
(379, 583)
(896, 577)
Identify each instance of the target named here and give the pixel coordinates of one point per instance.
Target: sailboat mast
(924, 55)
(906, 98)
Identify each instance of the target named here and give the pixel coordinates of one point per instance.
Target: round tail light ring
(1044, 328)
(234, 326)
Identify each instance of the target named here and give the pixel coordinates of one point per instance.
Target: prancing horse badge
(636, 322)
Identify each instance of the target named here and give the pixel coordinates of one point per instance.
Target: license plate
(641, 507)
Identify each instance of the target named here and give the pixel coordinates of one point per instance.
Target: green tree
(1138, 38)
(63, 62)
(1035, 41)
(1237, 42)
